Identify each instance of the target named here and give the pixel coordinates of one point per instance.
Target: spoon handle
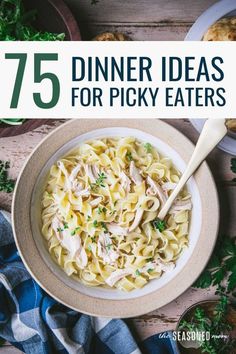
(212, 133)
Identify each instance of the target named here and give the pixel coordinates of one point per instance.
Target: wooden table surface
(17, 148)
(141, 20)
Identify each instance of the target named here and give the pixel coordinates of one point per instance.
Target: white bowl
(101, 301)
(99, 292)
(209, 17)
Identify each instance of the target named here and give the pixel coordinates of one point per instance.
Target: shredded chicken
(179, 205)
(168, 186)
(115, 229)
(74, 173)
(155, 189)
(125, 182)
(89, 172)
(117, 275)
(105, 249)
(137, 219)
(95, 202)
(79, 191)
(135, 173)
(71, 243)
(159, 266)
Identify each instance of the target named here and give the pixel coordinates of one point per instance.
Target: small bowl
(227, 144)
(209, 17)
(101, 301)
(208, 306)
(55, 16)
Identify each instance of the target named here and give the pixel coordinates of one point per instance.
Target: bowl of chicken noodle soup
(96, 239)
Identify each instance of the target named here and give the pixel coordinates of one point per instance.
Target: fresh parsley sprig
(6, 184)
(16, 24)
(148, 147)
(221, 269)
(99, 181)
(129, 156)
(159, 225)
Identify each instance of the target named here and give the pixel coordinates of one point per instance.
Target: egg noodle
(100, 213)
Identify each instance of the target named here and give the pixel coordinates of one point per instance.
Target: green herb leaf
(16, 24)
(150, 270)
(75, 230)
(108, 247)
(93, 239)
(148, 147)
(101, 210)
(137, 272)
(216, 323)
(159, 224)
(95, 223)
(129, 156)
(104, 226)
(6, 184)
(99, 181)
(221, 269)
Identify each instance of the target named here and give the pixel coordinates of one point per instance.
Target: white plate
(228, 144)
(209, 17)
(99, 292)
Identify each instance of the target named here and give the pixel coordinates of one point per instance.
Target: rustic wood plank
(7, 130)
(9, 349)
(139, 32)
(16, 149)
(138, 11)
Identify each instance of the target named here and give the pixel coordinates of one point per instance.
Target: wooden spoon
(212, 133)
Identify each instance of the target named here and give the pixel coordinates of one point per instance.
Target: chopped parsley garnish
(89, 247)
(101, 210)
(66, 226)
(221, 269)
(129, 156)
(150, 259)
(75, 230)
(109, 246)
(112, 212)
(6, 184)
(95, 223)
(137, 272)
(159, 225)
(104, 226)
(148, 147)
(60, 229)
(150, 270)
(93, 239)
(99, 181)
(88, 217)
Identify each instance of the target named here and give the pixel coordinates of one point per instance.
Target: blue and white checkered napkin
(35, 323)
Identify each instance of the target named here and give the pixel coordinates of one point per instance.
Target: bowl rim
(73, 298)
(208, 18)
(68, 18)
